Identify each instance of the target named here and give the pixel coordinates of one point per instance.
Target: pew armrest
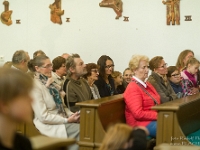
(48, 143)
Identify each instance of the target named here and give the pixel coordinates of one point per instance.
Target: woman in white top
(91, 77)
(51, 118)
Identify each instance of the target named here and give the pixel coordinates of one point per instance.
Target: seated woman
(15, 108)
(183, 58)
(123, 137)
(117, 76)
(50, 116)
(190, 83)
(174, 78)
(159, 80)
(127, 76)
(91, 77)
(105, 82)
(140, 96)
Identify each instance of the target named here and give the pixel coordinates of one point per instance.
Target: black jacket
(104, 88)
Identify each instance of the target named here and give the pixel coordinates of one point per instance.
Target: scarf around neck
(54, 90)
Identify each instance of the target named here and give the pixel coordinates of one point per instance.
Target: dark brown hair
(155, 62)
(89, 67)
(102, 64)
(13, 83)
(58, 62)
(171, 69)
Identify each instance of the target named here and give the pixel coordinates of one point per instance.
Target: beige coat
(46, 119)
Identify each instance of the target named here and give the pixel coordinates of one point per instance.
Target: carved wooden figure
(6, 15)
(115, 4)
(173, 11)
(56, 12)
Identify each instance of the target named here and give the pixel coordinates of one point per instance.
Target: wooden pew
(48, 143)
(96, 116)
(177, 119)
(28, 130)
(168, 147)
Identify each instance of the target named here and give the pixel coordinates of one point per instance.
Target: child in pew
(15, 108)
(174, 78)
(123, 137)
(189, 75)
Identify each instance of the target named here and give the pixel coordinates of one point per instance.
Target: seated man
(20, 60)
(76, 88)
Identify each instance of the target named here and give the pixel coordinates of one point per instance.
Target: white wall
(93, 31)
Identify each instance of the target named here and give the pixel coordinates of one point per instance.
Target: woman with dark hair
(105, 82)
(91, 77)
(51, 117)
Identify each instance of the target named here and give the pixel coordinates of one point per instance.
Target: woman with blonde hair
(116, 137)
(183, 58)
(123, 137)
(140, 96)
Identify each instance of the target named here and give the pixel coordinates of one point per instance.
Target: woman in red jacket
(140, 96)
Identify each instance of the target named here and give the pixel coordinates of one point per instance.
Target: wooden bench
(168, 147)
(177, 119)
(41, 142)
(48, 143)
(96, 116)
(28, 130)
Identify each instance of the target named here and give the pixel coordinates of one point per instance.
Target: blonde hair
(135, 60)
(180, 64)
(116, 137)
(115, 74)
(192, 61)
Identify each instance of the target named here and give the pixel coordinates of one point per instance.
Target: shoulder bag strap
(141, 86)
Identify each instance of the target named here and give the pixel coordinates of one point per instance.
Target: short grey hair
(70, 63)
(19, 56)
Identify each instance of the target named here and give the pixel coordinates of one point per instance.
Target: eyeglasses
(47, 66)
(109, 66)
(95, 70)
(164, 66)
(175, 75)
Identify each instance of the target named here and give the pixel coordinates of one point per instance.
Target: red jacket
(138, 104)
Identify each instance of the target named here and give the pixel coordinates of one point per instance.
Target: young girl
(15, 108)
(118, 80)
(189, 75)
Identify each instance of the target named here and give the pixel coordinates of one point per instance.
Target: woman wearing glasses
(51, 118)
(105, 82)
(174, 78)
(91, 77)
(159, 80)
